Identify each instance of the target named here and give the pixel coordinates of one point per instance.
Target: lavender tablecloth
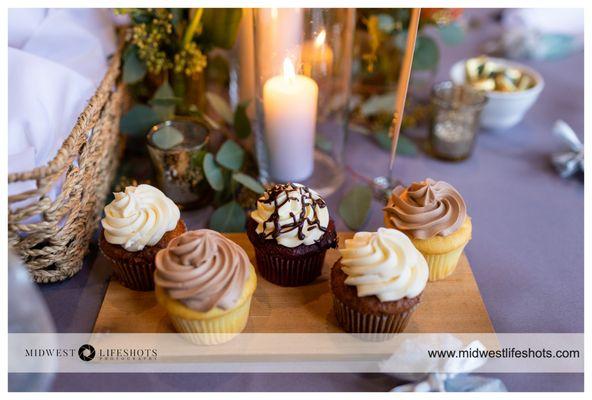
(527, 251)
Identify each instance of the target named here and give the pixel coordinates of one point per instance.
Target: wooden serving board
(453, 305)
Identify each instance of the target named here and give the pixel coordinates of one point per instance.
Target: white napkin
(56, 59)
(412, 353)
(569, 21)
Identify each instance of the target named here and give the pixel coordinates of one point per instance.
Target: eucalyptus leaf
(404, 145)
(230, 155)
(213, 172)
(241, 123)
(426, 55)
(164, 91)
(355, 205)
(228, 218)
(167, 137)
(451, 34)
(221, 106)
(383, 139)
(134, 69)
(248, 182)
(164, 101)
(138, 120)
(379, 104)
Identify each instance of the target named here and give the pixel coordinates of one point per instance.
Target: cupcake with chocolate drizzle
(291, 232)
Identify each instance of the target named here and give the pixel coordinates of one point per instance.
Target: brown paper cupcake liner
(133, 276)
(354, 321)
(284, 271)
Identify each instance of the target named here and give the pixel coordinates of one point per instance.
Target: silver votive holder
(177, 149)
(456, 110)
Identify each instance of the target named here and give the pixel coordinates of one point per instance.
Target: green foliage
(173, 39)
(174, 46)
(134, 70)
(404, 145)
(248, 182)
(220, 106)
(427, 54)
(230, 155)
(228, 218)
(355, 205)
(379, 104)
(164, 101)
(213, 172)
(167, 137)
(138, 120)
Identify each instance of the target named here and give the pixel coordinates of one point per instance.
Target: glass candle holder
(302, 85)
(455, 120)
(177, 150)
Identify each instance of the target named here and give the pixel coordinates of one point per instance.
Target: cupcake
(434, 215)
(377, 282)
(138, 223)
(291, 232)
(205, 282)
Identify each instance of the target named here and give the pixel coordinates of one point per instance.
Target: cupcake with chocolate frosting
(434, 215)
(137, 224)
(205, 282)
(291, 232)
(377, 282)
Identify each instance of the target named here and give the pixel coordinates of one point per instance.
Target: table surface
(527, 250)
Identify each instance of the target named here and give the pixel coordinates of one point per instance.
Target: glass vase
(302, 87)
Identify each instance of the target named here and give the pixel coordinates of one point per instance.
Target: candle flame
(289, 72)
(320, 39)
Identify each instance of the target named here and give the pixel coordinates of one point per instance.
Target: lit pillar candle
(290, 108)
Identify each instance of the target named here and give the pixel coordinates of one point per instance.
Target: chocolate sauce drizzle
(306, 200)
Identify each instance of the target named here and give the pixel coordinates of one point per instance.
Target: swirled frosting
(384, 264)
(426, 209)
(202, 269)
(292, 214)
(139, 217)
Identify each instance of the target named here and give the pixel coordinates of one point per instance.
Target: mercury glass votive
(177, 150)
(455, 120)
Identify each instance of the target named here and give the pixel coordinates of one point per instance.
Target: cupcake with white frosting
(138, 223)
(206, 282)
(377, 282)
(291, 231)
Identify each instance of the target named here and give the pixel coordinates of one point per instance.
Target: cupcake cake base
(135, 270)
(214, 326)
(287, 266)
(368, 314)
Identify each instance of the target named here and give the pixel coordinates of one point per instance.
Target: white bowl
(503, 110)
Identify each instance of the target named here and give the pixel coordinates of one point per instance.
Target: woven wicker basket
(54, 244)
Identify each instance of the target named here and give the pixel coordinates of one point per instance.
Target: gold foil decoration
(491, 76)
